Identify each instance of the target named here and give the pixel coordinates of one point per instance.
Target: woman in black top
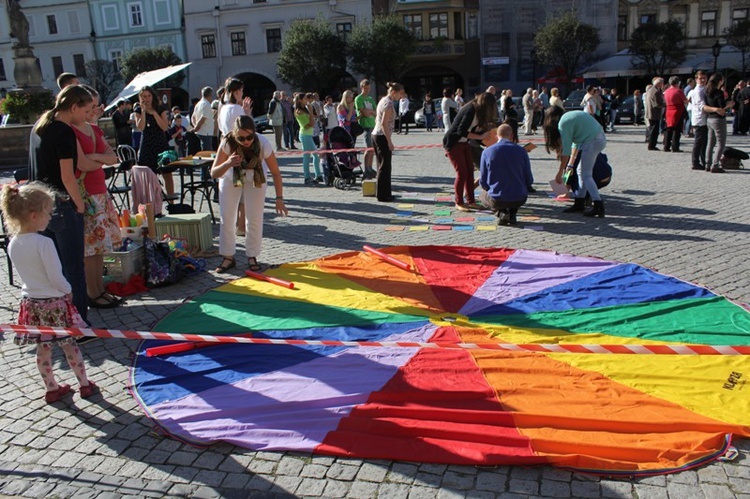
(474, 121)
(153, 122)
(56, 163)
(717, 122)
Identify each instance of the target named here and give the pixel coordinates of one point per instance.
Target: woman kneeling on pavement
(474, 121)
(242, 164)
(570, 134)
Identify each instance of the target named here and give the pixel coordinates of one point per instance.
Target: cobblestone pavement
(692, 225)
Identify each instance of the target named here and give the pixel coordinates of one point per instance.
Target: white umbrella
(149, 78)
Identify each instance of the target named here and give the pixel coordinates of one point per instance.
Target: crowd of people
(68, 202)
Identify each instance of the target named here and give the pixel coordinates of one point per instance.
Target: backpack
(732, 158)
(161, 267)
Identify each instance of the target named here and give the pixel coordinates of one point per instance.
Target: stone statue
(19, 25)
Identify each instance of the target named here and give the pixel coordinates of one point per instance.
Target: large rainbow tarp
(611, 414)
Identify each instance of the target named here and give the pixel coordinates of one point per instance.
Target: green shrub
(27, 106)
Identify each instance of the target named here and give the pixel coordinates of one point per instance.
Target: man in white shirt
(203, 119)
(698, 110)
(403, 115)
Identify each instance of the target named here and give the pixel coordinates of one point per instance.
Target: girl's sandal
(226, 264)
(56, 395)
(252, 264)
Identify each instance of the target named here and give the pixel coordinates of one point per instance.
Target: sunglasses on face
(245, 138)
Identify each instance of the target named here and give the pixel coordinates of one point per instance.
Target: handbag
(89, 207)
(161, 267)
(356, 129)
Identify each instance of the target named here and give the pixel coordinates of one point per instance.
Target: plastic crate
(120, 266)
(194, 228)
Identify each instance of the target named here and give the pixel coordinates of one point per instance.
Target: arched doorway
(259, 88)
(434, 79)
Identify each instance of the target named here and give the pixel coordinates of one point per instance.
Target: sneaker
(697, 167)
(503, 218)
(310, 181)
(320, 180)
(718, 169)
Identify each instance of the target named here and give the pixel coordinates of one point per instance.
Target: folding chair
(204, 187)
(4, 241)
(127, 156)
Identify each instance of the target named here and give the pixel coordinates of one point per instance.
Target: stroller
(342, 168)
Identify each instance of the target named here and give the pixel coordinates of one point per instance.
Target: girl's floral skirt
(52, 312)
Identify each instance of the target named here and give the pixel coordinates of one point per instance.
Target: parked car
(261, 124)
(626, 111)
(573, 101)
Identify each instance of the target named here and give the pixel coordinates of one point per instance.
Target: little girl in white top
(46, 298)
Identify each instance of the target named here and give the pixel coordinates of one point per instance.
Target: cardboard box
(369, 187)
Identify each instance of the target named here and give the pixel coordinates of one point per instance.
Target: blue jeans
(428, 121)
(589, 151)
(207, 142)
(288, 130)
(309, 145)
(66, 230)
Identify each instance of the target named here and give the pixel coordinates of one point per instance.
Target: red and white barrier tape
(355, 149)
(511, 347)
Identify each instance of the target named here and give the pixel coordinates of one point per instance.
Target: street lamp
(716, 50)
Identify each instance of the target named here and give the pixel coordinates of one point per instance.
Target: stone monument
(26, 72)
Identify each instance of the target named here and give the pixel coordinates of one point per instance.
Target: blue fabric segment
(620, 285)
(159, 379)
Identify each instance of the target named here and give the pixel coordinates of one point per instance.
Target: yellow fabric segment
(308, 282)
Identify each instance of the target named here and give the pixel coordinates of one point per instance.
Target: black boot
(513, 212)
(596, 211)
(578, 206)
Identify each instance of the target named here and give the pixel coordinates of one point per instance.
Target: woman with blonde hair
(555, 99)
(305, 120)
(345, 111)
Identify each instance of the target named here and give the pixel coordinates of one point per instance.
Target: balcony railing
(440, 48)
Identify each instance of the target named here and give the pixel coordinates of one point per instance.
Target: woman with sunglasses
(242, 164)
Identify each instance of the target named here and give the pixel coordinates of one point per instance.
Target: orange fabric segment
(551, 404)
(378, 275)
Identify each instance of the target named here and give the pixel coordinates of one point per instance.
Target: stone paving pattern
(693, 225)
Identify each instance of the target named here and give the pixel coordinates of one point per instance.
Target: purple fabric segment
(526, 272)
(293, 409)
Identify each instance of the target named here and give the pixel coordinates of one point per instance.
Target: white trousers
(229, 201)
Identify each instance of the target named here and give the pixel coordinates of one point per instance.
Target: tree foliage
(565, 42)
(381, 50)
(139, 60)
(658, 47)
(738, 36)
(312, 56)
(104, 77)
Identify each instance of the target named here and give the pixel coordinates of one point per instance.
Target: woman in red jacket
(676, 102)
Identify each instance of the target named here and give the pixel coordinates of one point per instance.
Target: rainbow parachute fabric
(603, 413)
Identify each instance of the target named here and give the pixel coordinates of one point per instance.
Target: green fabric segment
(218, 312)
(710, 321)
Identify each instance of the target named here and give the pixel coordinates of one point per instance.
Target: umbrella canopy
(149, 78)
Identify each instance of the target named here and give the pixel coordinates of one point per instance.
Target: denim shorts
(368, 136)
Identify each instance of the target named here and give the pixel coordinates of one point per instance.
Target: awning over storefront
(622, 64)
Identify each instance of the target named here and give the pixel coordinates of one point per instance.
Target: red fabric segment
(450, 415)
(453, 275)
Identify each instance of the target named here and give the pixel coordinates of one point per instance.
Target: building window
(738, 15)
(344, 30)
(2, 70)
(622, 28)
(238, 43)
(458, 25)
(162, 14)
(114, 56)
(57, 66)
(708, 23)
(136, 15)
(52, 24)
(439, 25)
(80, 65)
(208, 45)
(109, 15)
(413, 23)
(648, 18)
(273, 40)
(472, 26)
(73, 22)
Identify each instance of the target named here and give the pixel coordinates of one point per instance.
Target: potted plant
(26, 106)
